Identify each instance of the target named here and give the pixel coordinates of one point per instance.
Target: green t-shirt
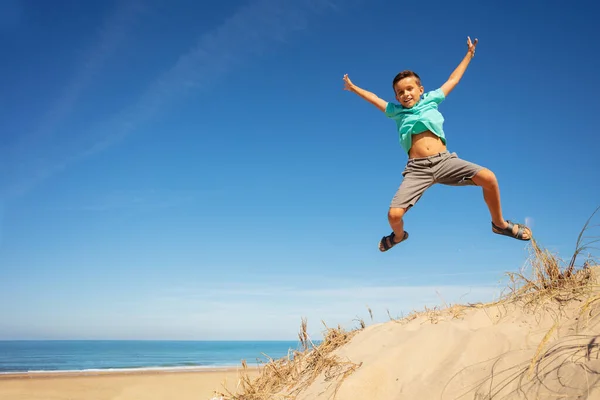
(423, 116)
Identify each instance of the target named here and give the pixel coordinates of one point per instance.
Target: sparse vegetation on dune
(567, 294)
(548, 287)
(551, 278)
(286, 377)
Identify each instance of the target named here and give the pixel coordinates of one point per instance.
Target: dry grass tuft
(551, 282)
(433, 314)
(551, 279)
(289, 376)
(457, 311)
(552, 288)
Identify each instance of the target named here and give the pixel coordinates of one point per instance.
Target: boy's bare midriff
(426, 144)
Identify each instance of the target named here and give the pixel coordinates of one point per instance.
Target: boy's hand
(348, 85)
(457, 74)
(471, 46)
(365, 94)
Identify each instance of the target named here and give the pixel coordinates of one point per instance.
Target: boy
(421, 134)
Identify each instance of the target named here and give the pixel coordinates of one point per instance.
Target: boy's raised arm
(460, 70)
(365, 94)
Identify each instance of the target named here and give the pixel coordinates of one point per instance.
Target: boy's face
(408, 91)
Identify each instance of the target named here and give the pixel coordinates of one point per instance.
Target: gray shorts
(421, 173)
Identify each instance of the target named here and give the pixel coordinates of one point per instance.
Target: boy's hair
(405, 74)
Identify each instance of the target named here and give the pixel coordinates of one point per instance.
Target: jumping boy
(421, 135)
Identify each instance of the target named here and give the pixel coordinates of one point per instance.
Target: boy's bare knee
(396, 214)
(485, 178)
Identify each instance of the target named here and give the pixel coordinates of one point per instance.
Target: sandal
(388, 241)
(508, 231)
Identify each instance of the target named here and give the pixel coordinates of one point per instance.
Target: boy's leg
(458, 172)
(396, 221)
(416, 180)
(491, 194)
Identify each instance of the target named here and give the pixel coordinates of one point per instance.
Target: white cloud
(32, 157)
(263, 313)
(245, 312)
(252, 30)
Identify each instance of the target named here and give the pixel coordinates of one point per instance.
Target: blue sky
(174, 170)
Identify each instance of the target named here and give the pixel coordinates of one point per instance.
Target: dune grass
(550, 281)
(551, 278)
(286, 377)
(549, 286)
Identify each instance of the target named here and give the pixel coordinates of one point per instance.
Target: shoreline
(124, 372)
(158, 384)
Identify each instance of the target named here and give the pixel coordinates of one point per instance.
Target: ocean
(105, 355)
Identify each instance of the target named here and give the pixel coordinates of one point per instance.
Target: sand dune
(540, 341)
(483, 354)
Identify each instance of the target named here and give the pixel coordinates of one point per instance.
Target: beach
(147, 385)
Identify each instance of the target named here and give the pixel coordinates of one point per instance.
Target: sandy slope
(483, 353)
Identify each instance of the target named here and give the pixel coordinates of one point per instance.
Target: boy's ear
(421, 89)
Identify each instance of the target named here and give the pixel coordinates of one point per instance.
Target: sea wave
(113, 370)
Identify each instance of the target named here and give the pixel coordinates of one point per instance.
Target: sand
(484, 354)
(535, 346)
(196, 385)
(531, 349)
